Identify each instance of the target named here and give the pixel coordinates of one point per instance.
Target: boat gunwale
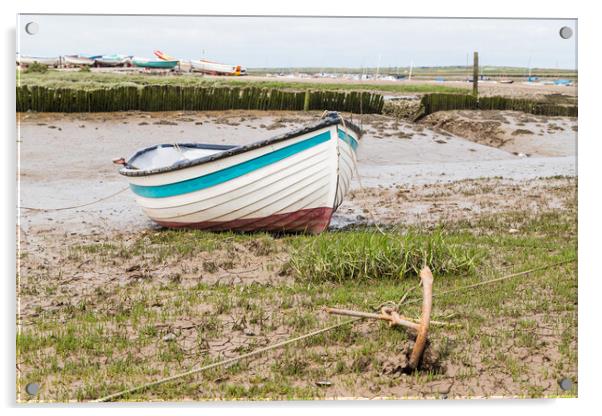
(331, 119)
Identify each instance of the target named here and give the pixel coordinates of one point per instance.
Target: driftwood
(390, 315)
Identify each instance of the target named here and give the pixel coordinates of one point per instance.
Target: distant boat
(291, 182)
(78, 60)
(506, 81)
(28, 60)
(214, 68)
(208, 67)
(112, 60)
(156, 64)
(566, 82)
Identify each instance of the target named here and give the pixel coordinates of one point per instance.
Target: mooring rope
(359, 178)
(225, 362)
(311, 334)
(76, 206)
(369, 208)
(499, 279)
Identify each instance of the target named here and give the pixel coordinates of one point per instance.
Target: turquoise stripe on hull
(155, 64)
(347, 139)
(232, 172)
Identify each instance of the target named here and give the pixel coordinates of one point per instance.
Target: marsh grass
(94, 80)
(369, 255)
(36, 67)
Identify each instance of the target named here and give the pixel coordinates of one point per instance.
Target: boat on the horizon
(215, 68)
(292, 182)
(28, 60)
(78, 60)
(155, 64)
(112, 60)
(208, 67)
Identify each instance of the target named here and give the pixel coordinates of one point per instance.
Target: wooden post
(306, 100)
(475, 75)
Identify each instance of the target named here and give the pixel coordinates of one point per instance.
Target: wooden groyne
(193, 98)
(431, 103)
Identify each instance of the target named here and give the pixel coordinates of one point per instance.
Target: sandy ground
(66, 159)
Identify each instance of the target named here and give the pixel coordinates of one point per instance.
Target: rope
(369, 208)
(225, 362)
(308, 335)
(76, 206)
(359, 178)
(177, 146)
(499, 279)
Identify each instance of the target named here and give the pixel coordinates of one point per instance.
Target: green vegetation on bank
(81, 91)
(36, 68)
(95, 80)
(369, 255)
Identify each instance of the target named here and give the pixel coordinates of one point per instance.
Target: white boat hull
(112, 61)
(293, 185)
(216, 68)
(78, 60)
(28, 60)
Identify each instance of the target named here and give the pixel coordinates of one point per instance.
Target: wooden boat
(506, 81)
(292, 182)
(78, 60)
(112, 60)
(28, 60)
(159, 64)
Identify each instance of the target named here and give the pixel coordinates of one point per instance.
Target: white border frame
(589, 153)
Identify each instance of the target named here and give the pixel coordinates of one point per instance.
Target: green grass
(86, 345)
(371, 255)
(334, 85)
(94, 80)
(36, 68)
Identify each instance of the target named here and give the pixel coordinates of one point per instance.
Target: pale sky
(306, 41)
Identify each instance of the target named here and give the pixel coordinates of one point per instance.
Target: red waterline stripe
(313, 220)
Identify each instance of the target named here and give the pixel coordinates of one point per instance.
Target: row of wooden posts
(173, 98)
(194, 98)
(432, 103)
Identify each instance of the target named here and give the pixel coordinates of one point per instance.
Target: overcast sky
(306, 42)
